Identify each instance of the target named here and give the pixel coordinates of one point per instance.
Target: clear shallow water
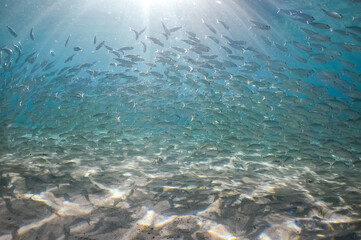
(250, 132)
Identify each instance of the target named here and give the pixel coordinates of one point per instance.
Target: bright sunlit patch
(156, 2)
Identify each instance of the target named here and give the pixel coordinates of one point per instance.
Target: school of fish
(178, 97)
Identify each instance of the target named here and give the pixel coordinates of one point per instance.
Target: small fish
(301, 46)
(192, 34)
(182, 50)
(70, 58)
(77, 49)
(67, 40)
(318, 46)
(95, 40)
(125, 49)
(305, 16)
(320, 25)
(347, 63)
(18, 50)
(212, 29)
(144, 46)
(99, 45)
(223, 24)
(12, 31)
(259, 25)
(229, 51)
(282, 48)
(165, 35)
(288, 12)
(137, 34)
(7, 50)
(355, 36)
(155, 41)
(108, 47)
(332, 14)
(175, 29)
(236, 57)
(214, 39)
(32, 34)
(354, 28)
(341, 31)
(166, 30)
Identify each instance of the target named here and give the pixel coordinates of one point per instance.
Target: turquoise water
(180, 119)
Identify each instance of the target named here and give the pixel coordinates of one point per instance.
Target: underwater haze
(171, 119)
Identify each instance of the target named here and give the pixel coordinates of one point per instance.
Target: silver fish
(320, 25)
(354, 28)
(12, 31)
(212, 29)
(144, 46)
(137, 34)
(67, 40)
(32, 34)
(223, 24)
(259, 25)
(166, 30)
(332, 14)
(99, 45)
(175, 29)
(70, 58)
(155, 41)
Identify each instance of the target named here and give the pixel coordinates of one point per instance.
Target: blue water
(223, 120)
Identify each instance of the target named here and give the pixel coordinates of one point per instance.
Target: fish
(95, 40)
(320, 25)
(332, 14)
(70, 58)
(259, 25)
(77, 49)
(214, 39)
(166, 36)
(191, 34)
(144, 46)
(229, 51)
(100, 45)
(155, 41)
(347, 63)
(125, 49)
(318, 46)
(67, 40)
(223, 24)
(308, 18)
(137, 34)
(355, 36)
(300, 59)
(12, 31)
(358, 19)
(289, 12)
(341, 31)
(7, 50)
(212, 29)
(32, 37)
(301, 46)
(182, 50)
(354, 28)
(174, 29)
(166, 30)
(282, 48)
